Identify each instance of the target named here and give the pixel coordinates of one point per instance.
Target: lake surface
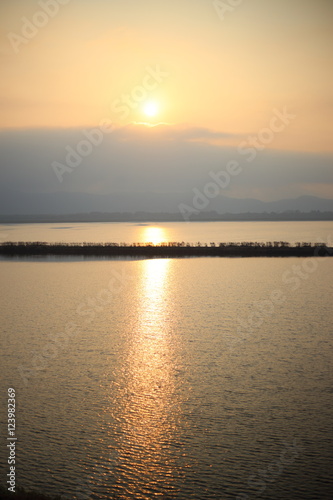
(170, 378)
(190, 232)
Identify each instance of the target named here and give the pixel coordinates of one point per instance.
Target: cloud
(167, 131)
(138, 161)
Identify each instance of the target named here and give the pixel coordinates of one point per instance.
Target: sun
(151, 109)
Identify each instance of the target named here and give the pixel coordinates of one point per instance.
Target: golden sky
(202, 67)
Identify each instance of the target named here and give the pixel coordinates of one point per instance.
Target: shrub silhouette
(170, 249)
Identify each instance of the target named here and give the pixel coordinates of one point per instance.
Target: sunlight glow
(154, 235)
(151, 109)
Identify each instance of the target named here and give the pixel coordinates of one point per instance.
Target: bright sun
(150, 108)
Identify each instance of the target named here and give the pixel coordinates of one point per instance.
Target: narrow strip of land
(169, 250)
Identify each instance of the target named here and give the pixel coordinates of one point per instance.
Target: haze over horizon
(132, 101)
(145, 357)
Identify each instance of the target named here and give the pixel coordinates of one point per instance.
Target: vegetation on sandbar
(169, 249)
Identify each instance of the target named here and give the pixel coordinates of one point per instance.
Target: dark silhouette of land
(170, 249)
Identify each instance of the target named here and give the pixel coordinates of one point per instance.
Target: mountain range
(126, 206)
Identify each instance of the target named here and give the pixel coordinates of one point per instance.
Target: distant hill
(168, 217)
(301, 204)
(84, 203)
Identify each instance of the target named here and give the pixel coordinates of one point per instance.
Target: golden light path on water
(149, 409)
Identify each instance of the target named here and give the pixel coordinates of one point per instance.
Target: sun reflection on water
(149, 408)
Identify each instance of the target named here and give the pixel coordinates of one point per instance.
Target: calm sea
(170, 378)
(190, 232)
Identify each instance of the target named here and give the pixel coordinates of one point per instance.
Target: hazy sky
(225, 78)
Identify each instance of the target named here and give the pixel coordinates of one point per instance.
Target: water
(170, 378)
(191, 232)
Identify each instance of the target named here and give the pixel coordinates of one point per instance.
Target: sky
(163, 93)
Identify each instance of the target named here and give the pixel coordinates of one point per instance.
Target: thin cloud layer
(164, 131)
(174, 163)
